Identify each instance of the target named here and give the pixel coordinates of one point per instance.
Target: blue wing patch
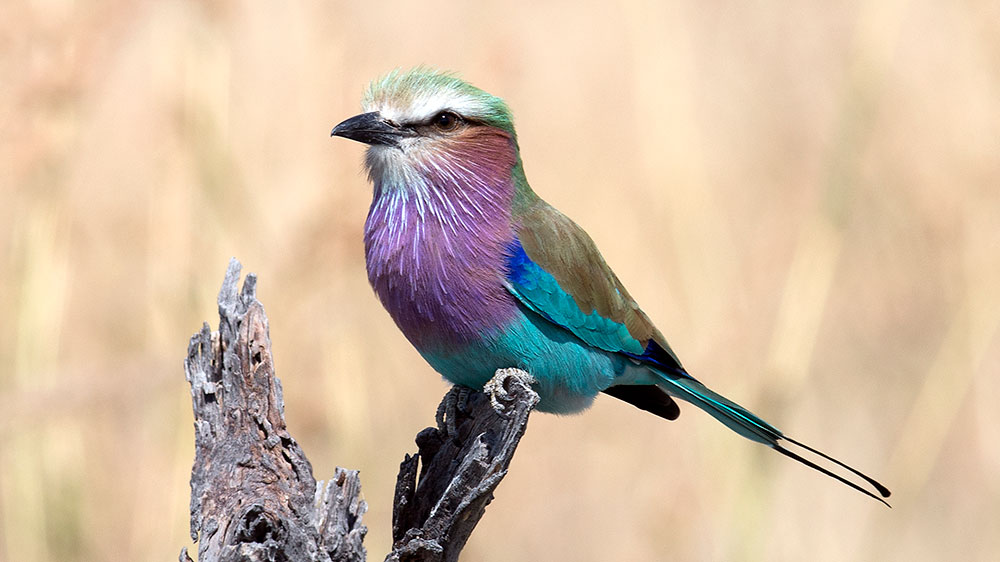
(659, 357)
(538, 290)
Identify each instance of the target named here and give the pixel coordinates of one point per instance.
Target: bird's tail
(745, 423)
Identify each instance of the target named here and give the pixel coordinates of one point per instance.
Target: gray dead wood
(253, 495)
(463, 460)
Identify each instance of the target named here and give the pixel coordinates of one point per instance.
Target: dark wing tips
(647, 397)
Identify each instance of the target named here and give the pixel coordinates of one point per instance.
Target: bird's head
(421, 121)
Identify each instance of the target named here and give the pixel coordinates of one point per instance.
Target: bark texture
(253, 494)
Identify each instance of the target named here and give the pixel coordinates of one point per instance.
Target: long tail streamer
(745, 423)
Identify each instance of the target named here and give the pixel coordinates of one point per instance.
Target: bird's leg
(462, 402)
(455, 401)
(443, 407)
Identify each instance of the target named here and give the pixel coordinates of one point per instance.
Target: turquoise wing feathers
(555, 270)
(538, 290)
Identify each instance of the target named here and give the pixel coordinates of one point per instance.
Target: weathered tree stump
(253, 494)
(464, 459)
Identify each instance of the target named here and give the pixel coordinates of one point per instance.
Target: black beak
(371, 128)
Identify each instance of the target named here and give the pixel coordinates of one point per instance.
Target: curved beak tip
(369, 128)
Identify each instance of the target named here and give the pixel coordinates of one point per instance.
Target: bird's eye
(446, 121)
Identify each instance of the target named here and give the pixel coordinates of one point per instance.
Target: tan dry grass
(805, 197)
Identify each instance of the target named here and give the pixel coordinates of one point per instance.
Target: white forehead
(419, 106)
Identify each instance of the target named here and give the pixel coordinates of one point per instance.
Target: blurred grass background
(805, 197)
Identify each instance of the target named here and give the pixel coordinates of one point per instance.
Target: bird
(480, 273)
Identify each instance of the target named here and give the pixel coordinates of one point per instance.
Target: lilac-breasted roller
(480, 273)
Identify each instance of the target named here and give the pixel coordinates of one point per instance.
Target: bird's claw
(497, 387)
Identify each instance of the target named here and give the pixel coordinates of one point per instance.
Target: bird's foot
(500, 389)
(457, 400)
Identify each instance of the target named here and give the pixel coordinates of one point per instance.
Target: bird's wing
(555, 269)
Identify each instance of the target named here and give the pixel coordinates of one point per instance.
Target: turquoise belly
(569, 372)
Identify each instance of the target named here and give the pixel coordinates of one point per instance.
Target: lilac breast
(435, 248)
